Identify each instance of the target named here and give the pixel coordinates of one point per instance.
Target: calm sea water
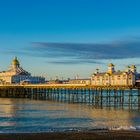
(24, 115)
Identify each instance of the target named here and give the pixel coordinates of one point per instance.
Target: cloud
(75, 62)
(79, 53)
(114, 50)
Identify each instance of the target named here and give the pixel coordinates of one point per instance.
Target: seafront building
(86, 81)
(113, 78)
(128, 77)
(16, 74)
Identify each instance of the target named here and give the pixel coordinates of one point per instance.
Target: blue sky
(69, 37)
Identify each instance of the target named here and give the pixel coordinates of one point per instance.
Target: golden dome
(133, 66)
(15, 61)
(110, 65)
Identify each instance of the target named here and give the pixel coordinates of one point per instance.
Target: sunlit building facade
(112, 77)
(16, 74)
(80, 81)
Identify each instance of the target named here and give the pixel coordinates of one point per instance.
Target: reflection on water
(24, 115)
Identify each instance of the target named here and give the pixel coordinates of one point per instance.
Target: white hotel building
(16, 74)
(114, 78)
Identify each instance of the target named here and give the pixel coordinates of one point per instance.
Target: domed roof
(128, 67)
(133, 66)
(110, 65)
(15, 61)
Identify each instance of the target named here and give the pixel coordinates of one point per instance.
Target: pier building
(86, 81)
(16, 74)
(113, 78)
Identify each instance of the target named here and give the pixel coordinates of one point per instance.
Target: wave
(77, 129)
(133, 128)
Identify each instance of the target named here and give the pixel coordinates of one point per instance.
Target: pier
(103, 89)
(97, 96)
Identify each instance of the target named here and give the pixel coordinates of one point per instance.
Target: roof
(15, 61)
(114, 73)
(110, 65)
(80, 79)
(132, 66)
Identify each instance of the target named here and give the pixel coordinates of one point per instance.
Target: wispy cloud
(113, 50)
(79, 53)
(75, 62)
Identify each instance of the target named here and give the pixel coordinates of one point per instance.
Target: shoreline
(81, 135)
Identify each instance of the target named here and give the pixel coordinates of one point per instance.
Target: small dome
(15, 61)
(133, 66)
(110, 65)
(128, 67)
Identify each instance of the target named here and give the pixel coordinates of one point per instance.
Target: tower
(111, 68)
(133, 68)
(15, 63)
(127, 69)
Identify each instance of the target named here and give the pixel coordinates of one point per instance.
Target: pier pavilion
(16, 74)
(112, 77)
(124, 91)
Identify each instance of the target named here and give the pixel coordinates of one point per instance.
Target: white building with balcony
(111, 77)
(16, 74)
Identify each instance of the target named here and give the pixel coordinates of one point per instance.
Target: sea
(30, 116)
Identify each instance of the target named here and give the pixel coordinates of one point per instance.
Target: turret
(15, 62)
(97, 70)
(111, 68)
(133, 69)
(127, 69)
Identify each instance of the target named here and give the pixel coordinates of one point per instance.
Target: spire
(127, 69)
(15, 61)
(133, 68)
(111, 68)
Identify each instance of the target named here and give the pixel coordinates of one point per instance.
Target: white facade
(113, 78)
(16, 74)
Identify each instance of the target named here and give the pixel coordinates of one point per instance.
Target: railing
(67, 86)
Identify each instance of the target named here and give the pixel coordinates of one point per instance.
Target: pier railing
(66, 86)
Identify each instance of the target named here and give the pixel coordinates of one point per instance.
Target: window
(124, 76)
(118, 77)
(112, 77)
(98, 78)
(130, 77)
(106, 77)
